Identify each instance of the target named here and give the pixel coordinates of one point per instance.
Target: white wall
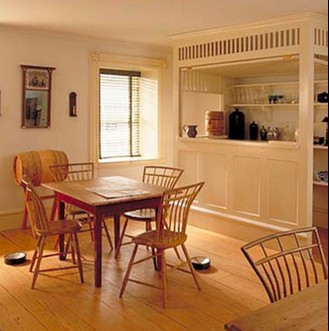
(70, 56)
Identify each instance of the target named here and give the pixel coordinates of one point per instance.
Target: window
(126, 120)
(119, 114)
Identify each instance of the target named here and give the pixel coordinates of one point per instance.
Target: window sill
(118, 162)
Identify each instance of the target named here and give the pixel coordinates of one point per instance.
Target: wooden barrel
(215, 123)
(35, 165)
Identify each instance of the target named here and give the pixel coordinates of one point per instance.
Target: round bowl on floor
(15, 258)
(201, 262)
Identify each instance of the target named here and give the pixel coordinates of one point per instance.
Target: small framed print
(37, 79)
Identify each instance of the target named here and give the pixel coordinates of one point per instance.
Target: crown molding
(256, 25)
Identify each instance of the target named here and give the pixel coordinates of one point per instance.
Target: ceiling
(144, 21)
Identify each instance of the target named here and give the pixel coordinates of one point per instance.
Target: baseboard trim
(11, 220)
(231, 226)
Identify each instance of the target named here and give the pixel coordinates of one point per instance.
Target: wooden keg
(215, 123)
(35, 165)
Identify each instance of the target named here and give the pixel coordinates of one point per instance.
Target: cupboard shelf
(322, 105)
(265, 84)
(324, 148)
(321, 81)
(322, 184)
(279, 105)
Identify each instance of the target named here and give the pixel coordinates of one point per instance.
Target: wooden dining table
(304, 311)
(105, 197)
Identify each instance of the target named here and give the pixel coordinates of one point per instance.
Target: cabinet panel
(283, 191)
(246, 180)
(188, 161)
(215, 173)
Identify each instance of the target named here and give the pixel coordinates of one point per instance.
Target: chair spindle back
(166, 177)
(176, 205)
(36, 209)
(285, 262)
(73, 171)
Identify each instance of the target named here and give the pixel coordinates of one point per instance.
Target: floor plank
(60, 302)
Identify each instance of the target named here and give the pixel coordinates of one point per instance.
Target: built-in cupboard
(272, 73)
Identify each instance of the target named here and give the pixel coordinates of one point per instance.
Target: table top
(118, 189)
(305, 311)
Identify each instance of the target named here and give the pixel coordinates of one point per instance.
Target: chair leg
(155, 260)
(67, 246)
(148, 226)
(191, 267)
(121, 238)
(53, 210)
(164, 278)
(75, 243)
(107, 233)
(91, 227)
(35, 255)
(25, 219)
(177, 253)
(71, 243)
(40, 248)
(130, 266)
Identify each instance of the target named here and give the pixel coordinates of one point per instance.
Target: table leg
(98, 250)
(117, 231)
(61, 238)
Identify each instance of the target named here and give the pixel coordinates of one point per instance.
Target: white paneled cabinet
(248, 182)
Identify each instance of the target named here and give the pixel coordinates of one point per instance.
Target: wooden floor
(229, 290)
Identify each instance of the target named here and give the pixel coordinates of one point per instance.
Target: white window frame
(107, 61)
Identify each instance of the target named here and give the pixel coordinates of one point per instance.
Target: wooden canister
(215, 123)
(35, 165)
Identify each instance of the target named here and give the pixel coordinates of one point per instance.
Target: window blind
(119, 113)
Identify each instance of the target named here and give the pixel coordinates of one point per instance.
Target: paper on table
(115, 194)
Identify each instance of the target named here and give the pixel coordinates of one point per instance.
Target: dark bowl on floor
(15, 258)
(201, 262)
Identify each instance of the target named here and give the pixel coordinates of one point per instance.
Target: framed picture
(36, 96)
(37, 79)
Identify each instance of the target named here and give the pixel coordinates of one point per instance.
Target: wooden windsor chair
(79, 172)
(35, 166)
(166, 177)
(170, 233)
(285, 262)
(43, 228)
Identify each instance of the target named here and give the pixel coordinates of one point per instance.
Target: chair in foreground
(285, 262)
(170, 233)
(166, 177)
(78, 172)
(42, 229)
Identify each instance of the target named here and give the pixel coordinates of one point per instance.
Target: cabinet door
(214, 170)
(246, 185)
(283, 191)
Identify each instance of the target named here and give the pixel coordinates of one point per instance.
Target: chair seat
(141, 215)
(168, 240)
(60, 228)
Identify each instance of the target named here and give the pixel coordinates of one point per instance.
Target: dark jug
(253, 131)
(263, 134)
(322, 97)
(191, 130)
(237, 125)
